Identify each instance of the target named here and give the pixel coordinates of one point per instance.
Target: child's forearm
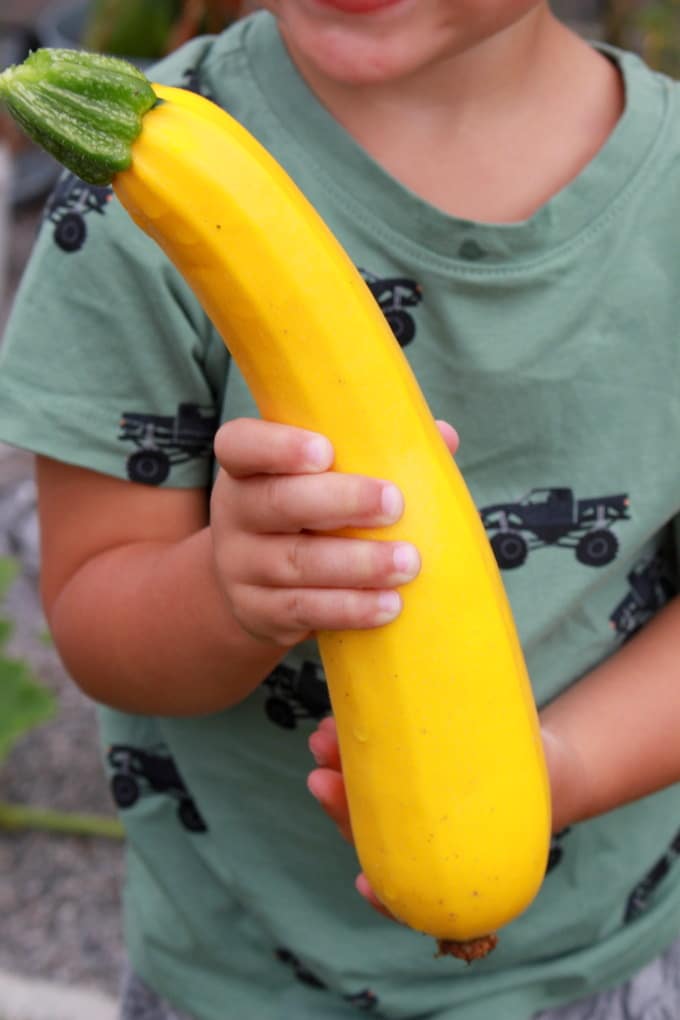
(613, 736)
(145, 628)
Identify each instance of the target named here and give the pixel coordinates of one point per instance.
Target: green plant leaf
(131, 28)
(9, 570)
(46, 638)
(6, 629)
(24, 703)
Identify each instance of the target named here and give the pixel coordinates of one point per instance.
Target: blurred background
(60, 844)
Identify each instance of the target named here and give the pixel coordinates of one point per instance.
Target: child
(509, 193)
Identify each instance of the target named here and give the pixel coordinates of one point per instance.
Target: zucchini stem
(6, 78)
(86, 109)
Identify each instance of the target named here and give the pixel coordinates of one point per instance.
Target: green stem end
(85, 109)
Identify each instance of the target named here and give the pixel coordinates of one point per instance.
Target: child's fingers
(329, 789)
(250, 446)
(362, 885)
(328, 725)
(322, 502)
(302, 560)
(450, 435)
(287, 615)
(327, 785)
(323, 744)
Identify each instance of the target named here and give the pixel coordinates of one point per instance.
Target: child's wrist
(569, 787)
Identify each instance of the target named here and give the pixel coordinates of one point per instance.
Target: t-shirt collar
(352, 175)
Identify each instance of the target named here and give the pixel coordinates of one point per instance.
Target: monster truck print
(640, 898)
(71, 201)
(395, 294)
(365, 1000)
(135, 771)
(164, 441)
(554, 517)
(650, 588)
(296, 694)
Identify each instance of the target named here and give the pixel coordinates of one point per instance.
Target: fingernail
(389, 606)
(406, 561)
(318, 453)
(392, 502)
(312, 785)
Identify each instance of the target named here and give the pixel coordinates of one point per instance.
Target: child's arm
(610, 739)
(615, 732)
(160, 603)
(131, 596)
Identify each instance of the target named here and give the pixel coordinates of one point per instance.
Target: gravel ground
(59, 896)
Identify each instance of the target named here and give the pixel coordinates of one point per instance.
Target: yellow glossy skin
(438, 730)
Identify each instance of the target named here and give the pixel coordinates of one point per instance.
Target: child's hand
(275, 486)
(326, 783)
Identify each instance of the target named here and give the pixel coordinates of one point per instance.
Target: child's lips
(358, 6)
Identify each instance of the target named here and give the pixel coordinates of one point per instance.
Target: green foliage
(652, 27)
(148, 29)
(24, 702)
(134, 28)
(659, 24)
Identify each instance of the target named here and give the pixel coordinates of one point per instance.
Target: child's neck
(495, 133)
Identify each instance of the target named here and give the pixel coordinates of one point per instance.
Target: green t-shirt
(552, 345)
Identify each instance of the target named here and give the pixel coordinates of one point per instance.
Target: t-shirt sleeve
(108, 361)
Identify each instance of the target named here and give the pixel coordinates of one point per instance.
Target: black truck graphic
(641, 894)
(296, 694)
(69, 203)
(395, 294)
(365, 1000)
(651, 587)
(556, 848)
(136, 771)
(552, 516)
(192, 82)
(164, 441)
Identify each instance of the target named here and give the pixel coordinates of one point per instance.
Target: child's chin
(352, 57)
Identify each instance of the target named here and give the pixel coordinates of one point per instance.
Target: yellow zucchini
(438, 730)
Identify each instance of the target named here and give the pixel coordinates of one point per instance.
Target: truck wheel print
(125, 790)
(280, 712)
(140, 772)
(510, 549)
(70, 232)
(652, 583)
(162, 441)
(68, 205)
(597, 548)
(394, 295)
(402, 325)
(150, 467)
(293, 694)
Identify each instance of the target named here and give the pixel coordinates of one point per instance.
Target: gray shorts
(139, 1002)
(652, 994)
